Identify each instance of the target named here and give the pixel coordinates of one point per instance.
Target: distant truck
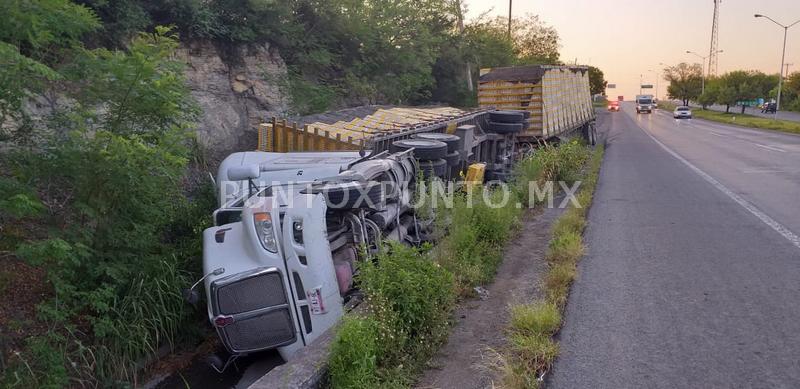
(644, 103)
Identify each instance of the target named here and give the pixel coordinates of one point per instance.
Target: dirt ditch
(466, 361)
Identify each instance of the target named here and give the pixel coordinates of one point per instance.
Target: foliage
(355, 353)
(597, 81)
(410, 299)
(765, 123)
(685, 81)
(33, 36)
(122, 236)
(531, 349)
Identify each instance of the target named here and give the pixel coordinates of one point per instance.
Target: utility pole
(703, 88)
(783, 58)
(658, 75)
(713, 60)
(640, 84)
(509, 18)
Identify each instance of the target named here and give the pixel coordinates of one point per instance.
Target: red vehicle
(613, 106)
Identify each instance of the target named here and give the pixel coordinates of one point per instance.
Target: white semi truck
(645, 103)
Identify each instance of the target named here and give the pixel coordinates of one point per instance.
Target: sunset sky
(625, 38)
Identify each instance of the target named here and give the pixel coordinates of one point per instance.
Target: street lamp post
(658, 75)
(703, 76)
(783, 58)
(640, 83)
(703, 87)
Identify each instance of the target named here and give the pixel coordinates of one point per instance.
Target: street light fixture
(783, 58)
(658, 75)
(703, 87)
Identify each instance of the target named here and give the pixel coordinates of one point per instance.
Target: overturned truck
(297, 216)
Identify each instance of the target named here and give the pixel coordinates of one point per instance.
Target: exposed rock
(237, 87)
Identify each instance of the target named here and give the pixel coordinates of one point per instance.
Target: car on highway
(682, 112)
(613, 106)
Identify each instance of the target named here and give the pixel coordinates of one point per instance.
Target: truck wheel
(349, 195)
(424, 149)
(506, 116)
(450, 140)
(436, 167)
(505, 128)
(453, 158)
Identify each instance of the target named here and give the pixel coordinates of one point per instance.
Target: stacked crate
(557, 97)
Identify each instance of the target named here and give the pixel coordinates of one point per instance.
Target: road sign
(647, 86)
(611, 86)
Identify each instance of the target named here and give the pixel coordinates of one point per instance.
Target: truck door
(309, 262)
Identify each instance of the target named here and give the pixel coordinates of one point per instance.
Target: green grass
(748, 121)
(739, 119)
(531, 349)
(411, 292)
(600, 103)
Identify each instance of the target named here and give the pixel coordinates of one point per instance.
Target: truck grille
(257, 302)
(260, 332)
(249, 294)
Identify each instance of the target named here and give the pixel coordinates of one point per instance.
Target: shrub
(355, 353)
(538, 318)
(566, 247)
(124, 237)
(410, 300)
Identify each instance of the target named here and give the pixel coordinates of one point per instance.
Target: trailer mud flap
(310, 266)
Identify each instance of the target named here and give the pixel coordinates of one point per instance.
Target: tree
(736, 87)
(708, 97)
(791, 91)
(534, 41)
(685, 81)
(33, 37)
(597, 81)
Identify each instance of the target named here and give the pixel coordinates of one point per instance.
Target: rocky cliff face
(237, 87)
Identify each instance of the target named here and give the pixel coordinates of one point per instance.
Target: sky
(626, 38)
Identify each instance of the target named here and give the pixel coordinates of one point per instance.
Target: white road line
(778, 227)
(752, 171)
(770, 148)
(717, 134)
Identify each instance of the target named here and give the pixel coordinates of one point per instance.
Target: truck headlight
(265, 231)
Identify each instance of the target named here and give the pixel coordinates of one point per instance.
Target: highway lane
(763, 167)
(683, 285)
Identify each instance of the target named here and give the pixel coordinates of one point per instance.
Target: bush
(410, 300)
(354, 354)
(123, 237)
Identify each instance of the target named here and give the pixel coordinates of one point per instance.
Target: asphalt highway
(692, 274)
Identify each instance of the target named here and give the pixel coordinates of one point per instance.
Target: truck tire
(505, 128)
(424, 149)
(506, 116)
(453, 158)
(450, 140)
(435, 167)
(350, 195)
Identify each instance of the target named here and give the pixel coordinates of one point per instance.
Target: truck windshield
(645, 101)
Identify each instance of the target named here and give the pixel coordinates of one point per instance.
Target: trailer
(296, 216)
(557, 98)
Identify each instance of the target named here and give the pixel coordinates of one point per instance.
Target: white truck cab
(280, 259)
